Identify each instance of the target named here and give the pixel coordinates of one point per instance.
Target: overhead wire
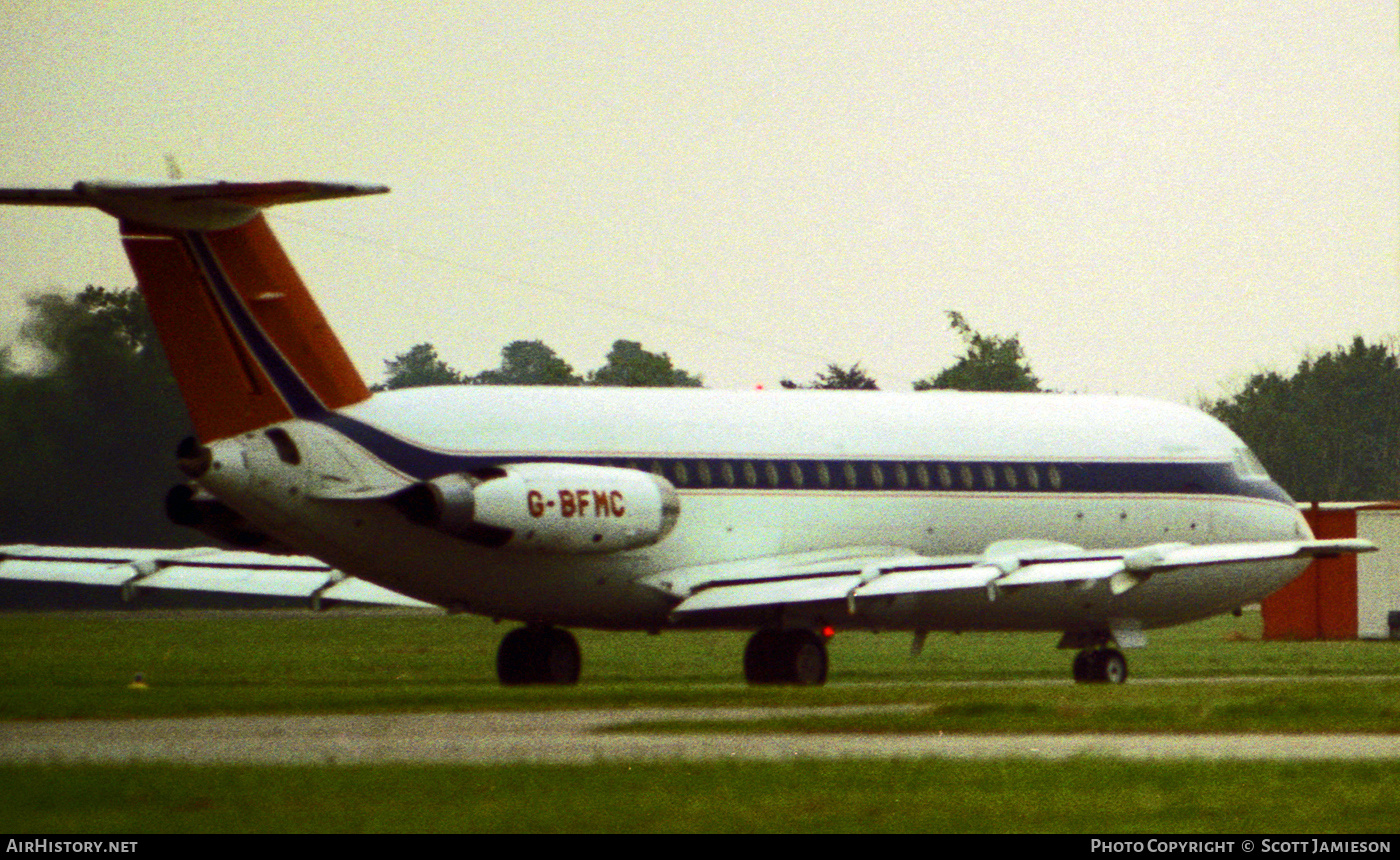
(541, 286)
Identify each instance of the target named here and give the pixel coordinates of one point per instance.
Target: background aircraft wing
(128, 572)
(858, 573)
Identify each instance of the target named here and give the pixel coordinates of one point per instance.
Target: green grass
(1344, 706)
(1091, 796)
(59, 665)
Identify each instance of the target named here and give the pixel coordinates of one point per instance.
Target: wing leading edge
(859, 573)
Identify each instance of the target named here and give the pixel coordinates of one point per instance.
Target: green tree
(87, 440)
(1329, 432)
(419, 366)
(991, 363)
(630, 365)
(837, 377)
(529, 362)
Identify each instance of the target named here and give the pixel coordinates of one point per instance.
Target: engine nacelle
(548, 507)
(196, 508)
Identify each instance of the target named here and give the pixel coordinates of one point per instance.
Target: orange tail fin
(246, 342)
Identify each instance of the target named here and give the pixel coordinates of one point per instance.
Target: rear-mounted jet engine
(547, 507)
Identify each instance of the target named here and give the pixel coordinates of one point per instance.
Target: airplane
(793, 514)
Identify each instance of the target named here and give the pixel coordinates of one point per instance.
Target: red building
(1348, 596)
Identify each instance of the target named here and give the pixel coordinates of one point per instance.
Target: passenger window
(1032, 477)
(1009, 473)
(750, 474)
(922, 476)
(823, 475)
(682, 476)
(770, 470)
(726, 473)
(901, 476)
(877, 476)
(702, 470)
(1053, 473)
(989, 477)
(796, 472)
(849, 472)
(965, 473)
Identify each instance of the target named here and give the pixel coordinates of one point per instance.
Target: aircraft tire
(761, 657)
(538, 655)
(1112, 666)
(565, 659)
(1101, 666)
(805, 658)
(796, 657)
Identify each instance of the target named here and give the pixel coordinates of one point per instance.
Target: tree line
(88, 436)
(88, 433)
(990, 363)
(531, 362)
(1331, 430)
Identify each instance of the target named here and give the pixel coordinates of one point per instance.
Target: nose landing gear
(1100, 666)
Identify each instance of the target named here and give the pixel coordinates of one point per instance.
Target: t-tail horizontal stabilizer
(184, 205)
(246, 342)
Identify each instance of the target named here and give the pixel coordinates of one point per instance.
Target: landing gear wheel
(795, 657)
(1101, 666)
(1083, 670)
(1111, 666)
(761, 657)
(538, 655)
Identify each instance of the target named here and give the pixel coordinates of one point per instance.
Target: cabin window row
(850, 474)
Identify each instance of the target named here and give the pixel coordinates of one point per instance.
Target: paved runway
(575, 737)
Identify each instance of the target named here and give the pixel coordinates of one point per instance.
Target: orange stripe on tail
(245, 340)
(260, 271)
(225, 388)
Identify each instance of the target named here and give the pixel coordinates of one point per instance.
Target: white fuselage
(771, 473)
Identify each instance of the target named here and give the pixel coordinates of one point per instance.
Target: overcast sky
(1158, 198)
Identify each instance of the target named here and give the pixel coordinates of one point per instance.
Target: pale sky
(1158, 198)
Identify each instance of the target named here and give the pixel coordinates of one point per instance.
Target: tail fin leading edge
(246, 342)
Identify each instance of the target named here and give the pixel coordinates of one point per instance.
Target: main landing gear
(1100, 666)
(795, 657)
(538, 654)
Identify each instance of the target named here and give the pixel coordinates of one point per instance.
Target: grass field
(61, 665)
(80, 664)
(1087, 796)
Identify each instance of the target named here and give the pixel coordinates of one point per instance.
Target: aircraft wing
(858, 573)
(201, 569)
